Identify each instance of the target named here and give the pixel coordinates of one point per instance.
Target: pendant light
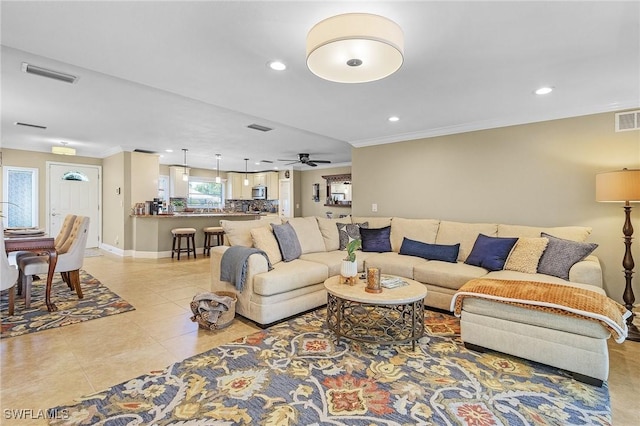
(218, 157)
(246, 178)
(185, 174)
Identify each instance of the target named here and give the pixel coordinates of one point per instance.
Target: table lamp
(623, 186)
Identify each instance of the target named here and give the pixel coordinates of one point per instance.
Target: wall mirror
(339, 190)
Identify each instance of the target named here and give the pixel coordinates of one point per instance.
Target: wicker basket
(225, 317)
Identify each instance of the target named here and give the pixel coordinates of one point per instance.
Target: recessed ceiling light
(393, 118)
(168, 150)
(544, 90)
(277, 66)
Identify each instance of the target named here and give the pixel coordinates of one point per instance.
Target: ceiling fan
(304, 159)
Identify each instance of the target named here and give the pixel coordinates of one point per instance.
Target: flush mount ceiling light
(355, 48)
(63, 150)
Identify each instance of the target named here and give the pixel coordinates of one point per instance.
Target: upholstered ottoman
(572, 343)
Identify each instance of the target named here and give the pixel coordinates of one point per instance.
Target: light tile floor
(53, 367)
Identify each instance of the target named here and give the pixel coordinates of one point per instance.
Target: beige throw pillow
(526, 254)
(264, 240)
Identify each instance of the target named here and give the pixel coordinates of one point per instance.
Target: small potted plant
(349, 267)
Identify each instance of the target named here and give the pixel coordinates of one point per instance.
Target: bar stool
(212, 231)
(190, 235)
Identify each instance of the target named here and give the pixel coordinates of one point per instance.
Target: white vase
(349, 269)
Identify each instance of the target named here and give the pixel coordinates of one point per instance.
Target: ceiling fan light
(355, 48)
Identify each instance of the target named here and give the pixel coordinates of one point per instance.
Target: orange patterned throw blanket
(554, 298)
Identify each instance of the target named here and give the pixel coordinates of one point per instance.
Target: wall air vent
(629, 120)
(17, 123)
(259, 127)
(45, 72)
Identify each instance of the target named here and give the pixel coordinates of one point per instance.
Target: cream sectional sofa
(297, 286)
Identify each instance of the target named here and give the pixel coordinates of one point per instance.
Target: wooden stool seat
(190, 235)
(212, 231)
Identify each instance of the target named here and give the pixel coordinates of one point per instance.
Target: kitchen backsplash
(269, 206)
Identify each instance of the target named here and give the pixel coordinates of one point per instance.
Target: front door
(74, 189)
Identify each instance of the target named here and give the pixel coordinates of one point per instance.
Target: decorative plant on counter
(351, 250)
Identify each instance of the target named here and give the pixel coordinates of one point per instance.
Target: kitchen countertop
(190, 214)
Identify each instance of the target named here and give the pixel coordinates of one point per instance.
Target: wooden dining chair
(9, 273)
(62, 236)
(70, 259)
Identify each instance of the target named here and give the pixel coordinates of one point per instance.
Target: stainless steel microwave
(259, 192)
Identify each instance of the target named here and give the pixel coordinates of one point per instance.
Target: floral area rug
(294, 374)
(98, 302)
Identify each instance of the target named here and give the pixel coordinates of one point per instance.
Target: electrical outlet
(374, 207)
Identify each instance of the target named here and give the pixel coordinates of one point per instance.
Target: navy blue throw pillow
(428, 251)
(490, 252)
(377, 239)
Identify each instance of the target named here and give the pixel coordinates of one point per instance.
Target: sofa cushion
(238, 232)
(392, 263)
(373, 221)
(287, 241)
(430, 251)
(288, 276)
(574, 233)
(264, 240)
(561, 255)
(308, 233)
(332, 259)
(424, 230)
(348, 232)
(463, 233)
(445, 274)
(526, 254)
(376, 240)
(329, 231)
(490, 253)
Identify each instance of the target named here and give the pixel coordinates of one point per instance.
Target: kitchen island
(152, 233)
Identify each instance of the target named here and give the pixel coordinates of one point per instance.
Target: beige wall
(536, 174)
(311, 176)
(113, 223)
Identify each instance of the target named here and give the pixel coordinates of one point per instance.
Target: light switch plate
(374, 207)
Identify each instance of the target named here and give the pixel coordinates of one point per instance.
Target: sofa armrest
(587, 271)
(257, 265)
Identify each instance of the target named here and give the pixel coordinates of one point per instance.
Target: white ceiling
(157, 75)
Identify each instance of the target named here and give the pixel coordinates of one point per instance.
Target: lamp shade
(355, 48)
(622, 185)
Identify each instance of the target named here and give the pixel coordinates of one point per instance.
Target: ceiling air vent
(45, 72)
(145, 151)
(629, 120)
(17, 123)
(259, 127)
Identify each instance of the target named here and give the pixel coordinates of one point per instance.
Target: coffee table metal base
(375, 323)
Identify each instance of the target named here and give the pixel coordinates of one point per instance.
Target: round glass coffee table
(393, 316)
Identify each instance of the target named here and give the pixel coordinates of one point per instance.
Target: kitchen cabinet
(177, 186)
(260, 179)
(273, 185)
(236, 190)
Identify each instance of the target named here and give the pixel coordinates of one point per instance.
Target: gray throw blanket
(233, 265)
